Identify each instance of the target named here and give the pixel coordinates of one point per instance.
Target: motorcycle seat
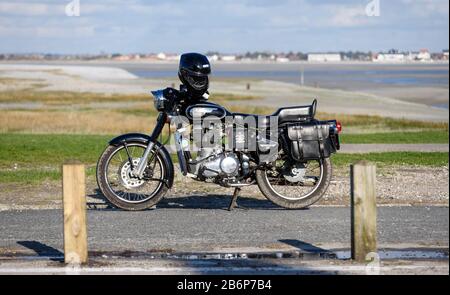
(285, 115)
(294, 114)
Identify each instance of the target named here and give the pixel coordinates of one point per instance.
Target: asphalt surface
(182, 230)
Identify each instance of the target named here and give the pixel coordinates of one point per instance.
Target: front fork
(180, 149)
(139, 170)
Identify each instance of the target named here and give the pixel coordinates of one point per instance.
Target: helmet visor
(196, 81)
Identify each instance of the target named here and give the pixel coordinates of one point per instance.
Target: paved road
(210, 229)
(378, 148)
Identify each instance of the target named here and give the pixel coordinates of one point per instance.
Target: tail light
(339, 126)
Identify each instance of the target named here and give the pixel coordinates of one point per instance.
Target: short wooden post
(363, 210)
(74, 202)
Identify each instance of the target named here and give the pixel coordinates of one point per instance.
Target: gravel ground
(398, 185)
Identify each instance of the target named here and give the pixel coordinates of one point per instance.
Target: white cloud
(48, 31)
(221, 25)
(427, 8)
(349, 16)
(30, 8)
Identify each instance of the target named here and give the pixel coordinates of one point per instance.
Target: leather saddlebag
(310, 141)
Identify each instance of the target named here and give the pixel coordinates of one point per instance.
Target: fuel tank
(205, 110)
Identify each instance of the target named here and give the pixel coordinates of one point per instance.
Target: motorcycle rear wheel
(296, 201)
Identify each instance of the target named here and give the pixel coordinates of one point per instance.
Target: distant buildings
(324, 57)
(282, 59)
(389, 57)
(445, 55)
(228, 58)
(213, 57)
(422, 55)
(392, 56)
(161, 56)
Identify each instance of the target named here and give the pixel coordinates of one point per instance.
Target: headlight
(159, 100)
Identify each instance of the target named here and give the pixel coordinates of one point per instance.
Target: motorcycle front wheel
(120, 188)
(315, 179)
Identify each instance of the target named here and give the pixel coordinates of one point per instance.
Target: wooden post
(363, 210)
(74, 202)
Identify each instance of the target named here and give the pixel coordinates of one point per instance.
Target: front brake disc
(125, 175)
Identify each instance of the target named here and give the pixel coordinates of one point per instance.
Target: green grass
(33, 158)
(29, 176)
(50, 149)
(36, 175)
(394, 158)
(373, 122)
(432, 136)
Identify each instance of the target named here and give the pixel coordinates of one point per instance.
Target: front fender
(145, 139)
(135, 137)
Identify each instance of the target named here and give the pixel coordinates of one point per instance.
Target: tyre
(293, 195)
(124, 191)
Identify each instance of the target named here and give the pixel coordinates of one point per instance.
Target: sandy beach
(425, 83)
(100, 78)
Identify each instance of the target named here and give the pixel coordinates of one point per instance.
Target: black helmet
(193, 71)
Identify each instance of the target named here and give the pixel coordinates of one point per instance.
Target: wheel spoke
(301, 189)
(125, 186)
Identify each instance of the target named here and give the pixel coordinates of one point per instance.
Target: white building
(228, 58)
(282, 59)
(445, 55)
(324, 57)
(213, 57)
(389, 57)
(424, 55)
(161, 55)
(412, 56)
(173, 57)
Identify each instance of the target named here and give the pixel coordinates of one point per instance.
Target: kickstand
(233, 203)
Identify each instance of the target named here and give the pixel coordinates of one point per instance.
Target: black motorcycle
(287, 154)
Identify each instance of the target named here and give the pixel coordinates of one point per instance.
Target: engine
(217, 163)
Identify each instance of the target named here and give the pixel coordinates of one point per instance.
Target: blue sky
(227, 26)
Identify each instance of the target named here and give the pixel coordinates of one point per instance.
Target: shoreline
(251, 62)
(423, 83)
(115, 80)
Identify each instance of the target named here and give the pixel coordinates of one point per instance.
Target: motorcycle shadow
(211, 201)
(215, 201)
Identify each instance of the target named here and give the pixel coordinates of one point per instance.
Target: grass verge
(430, 136)
(50, 149)
(377, 122)
(33, 158)
(436, 159)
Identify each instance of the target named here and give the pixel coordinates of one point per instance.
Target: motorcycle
(287, 154)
